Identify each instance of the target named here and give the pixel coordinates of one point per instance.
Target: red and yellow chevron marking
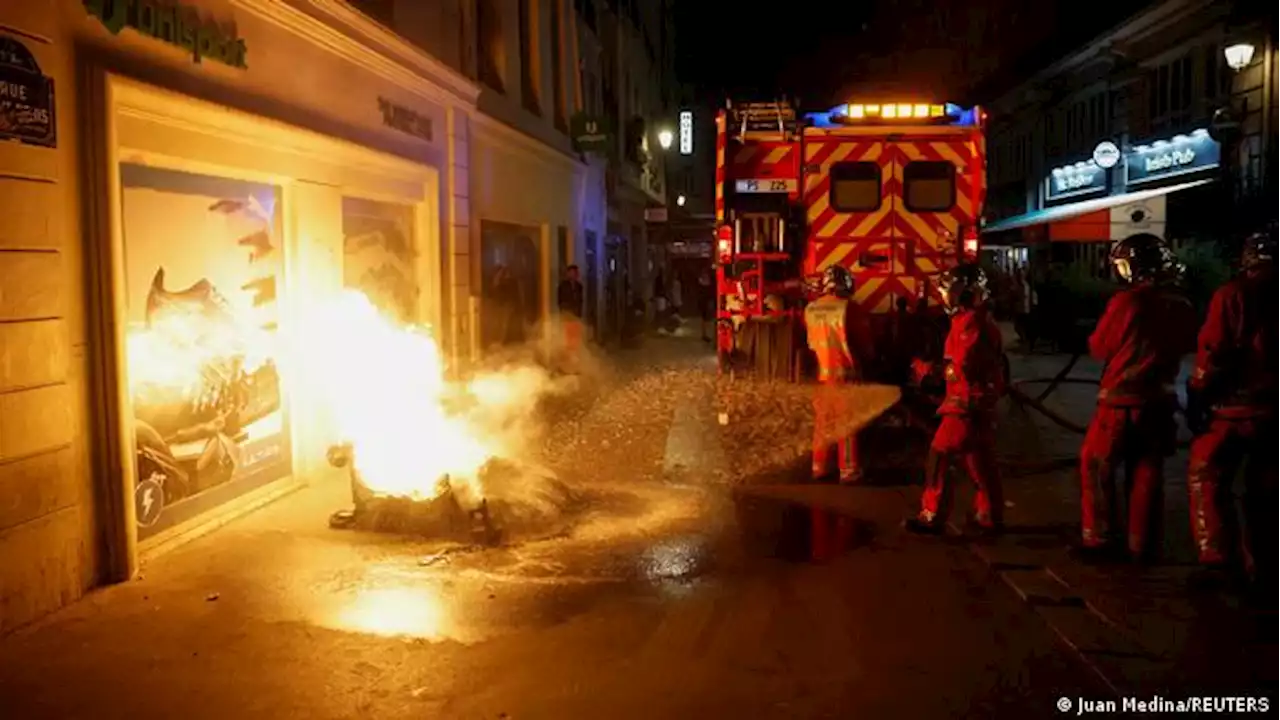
(917, 245)
(720, 144)
(759, 160)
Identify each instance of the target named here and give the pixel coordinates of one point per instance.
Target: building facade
(1148, 128)
(209, 164)
(542, 200)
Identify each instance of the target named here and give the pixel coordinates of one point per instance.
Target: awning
(1066, 212)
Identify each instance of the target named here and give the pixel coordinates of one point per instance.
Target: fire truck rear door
(928, 211)
(849, 211)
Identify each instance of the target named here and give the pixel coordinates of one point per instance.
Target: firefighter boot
(935, 501)
(988, 497)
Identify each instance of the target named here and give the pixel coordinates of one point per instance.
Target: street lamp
(665, 137)
(680, 200)
(1238, 55)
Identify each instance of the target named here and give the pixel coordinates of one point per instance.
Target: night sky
(824, 55)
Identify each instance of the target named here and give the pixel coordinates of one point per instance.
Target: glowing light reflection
(393, 612)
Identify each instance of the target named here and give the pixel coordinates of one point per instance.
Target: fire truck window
(855, 187)
(929, 186)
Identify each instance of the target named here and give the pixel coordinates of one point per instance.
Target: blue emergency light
(848, 114)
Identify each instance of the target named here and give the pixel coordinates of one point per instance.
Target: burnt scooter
(443, 514)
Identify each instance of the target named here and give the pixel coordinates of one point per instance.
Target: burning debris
(426, 453)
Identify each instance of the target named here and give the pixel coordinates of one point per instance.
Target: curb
(1105, 647)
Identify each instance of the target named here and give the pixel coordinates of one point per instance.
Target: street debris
(428, 561)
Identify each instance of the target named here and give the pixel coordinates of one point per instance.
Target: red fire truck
(891, 191)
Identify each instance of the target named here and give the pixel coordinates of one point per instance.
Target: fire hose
(1051, 384)
(1036, 402)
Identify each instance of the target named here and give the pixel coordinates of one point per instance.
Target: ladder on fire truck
(753, 241)
(762, 120)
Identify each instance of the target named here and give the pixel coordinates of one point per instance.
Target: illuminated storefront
(233, 161)
(1122, 189)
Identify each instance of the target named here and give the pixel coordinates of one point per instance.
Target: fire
(409, 426)
(175, 354)
(383, 387)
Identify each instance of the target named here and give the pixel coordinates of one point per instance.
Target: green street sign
(590, 133)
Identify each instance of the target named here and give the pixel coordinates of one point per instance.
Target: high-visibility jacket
(831, 323)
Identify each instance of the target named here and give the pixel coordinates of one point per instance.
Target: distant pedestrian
(570, 297)
(706, 303)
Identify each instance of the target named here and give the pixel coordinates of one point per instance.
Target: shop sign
(1079, 179)
(1106, 155)
(176, 24)
(409, 122)
(686, 132)
(590, 133)
(26, 97)
(1178, 155)
(681, 248)
(655, 215)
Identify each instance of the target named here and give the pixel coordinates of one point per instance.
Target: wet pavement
(1144, 629)
(660, 595)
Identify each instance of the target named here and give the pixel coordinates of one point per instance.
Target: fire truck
(891, 191)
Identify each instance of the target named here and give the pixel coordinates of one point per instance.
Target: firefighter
(839, 336)
(1231, 410)
(1140, 340)
(973, 369)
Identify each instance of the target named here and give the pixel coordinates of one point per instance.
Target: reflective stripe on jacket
(826, 325)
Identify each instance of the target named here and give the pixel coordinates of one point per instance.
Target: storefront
(527, 203)
(1116, 192)
(233, 163)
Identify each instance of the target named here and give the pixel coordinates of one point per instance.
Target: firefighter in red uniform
(1231, 409)
(1141, 338)
(973, 368)
(840, 336)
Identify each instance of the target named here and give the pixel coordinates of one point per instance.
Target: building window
(530, 75)
(855, 187)
(1217, 76)
(492, 60)
(1169, 96)
(562, 246)
(557, 66)
(929, 186)
(586, 10)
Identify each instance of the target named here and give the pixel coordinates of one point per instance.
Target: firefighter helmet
(963, 287)
(1259, 250)
(836, 280)
(1145, 257)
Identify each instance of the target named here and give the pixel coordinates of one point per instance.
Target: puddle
(795, 532)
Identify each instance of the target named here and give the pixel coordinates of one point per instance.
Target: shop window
(379, 257)
(512, 283)
(203, 264)
(929, 186)
(855, 187)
